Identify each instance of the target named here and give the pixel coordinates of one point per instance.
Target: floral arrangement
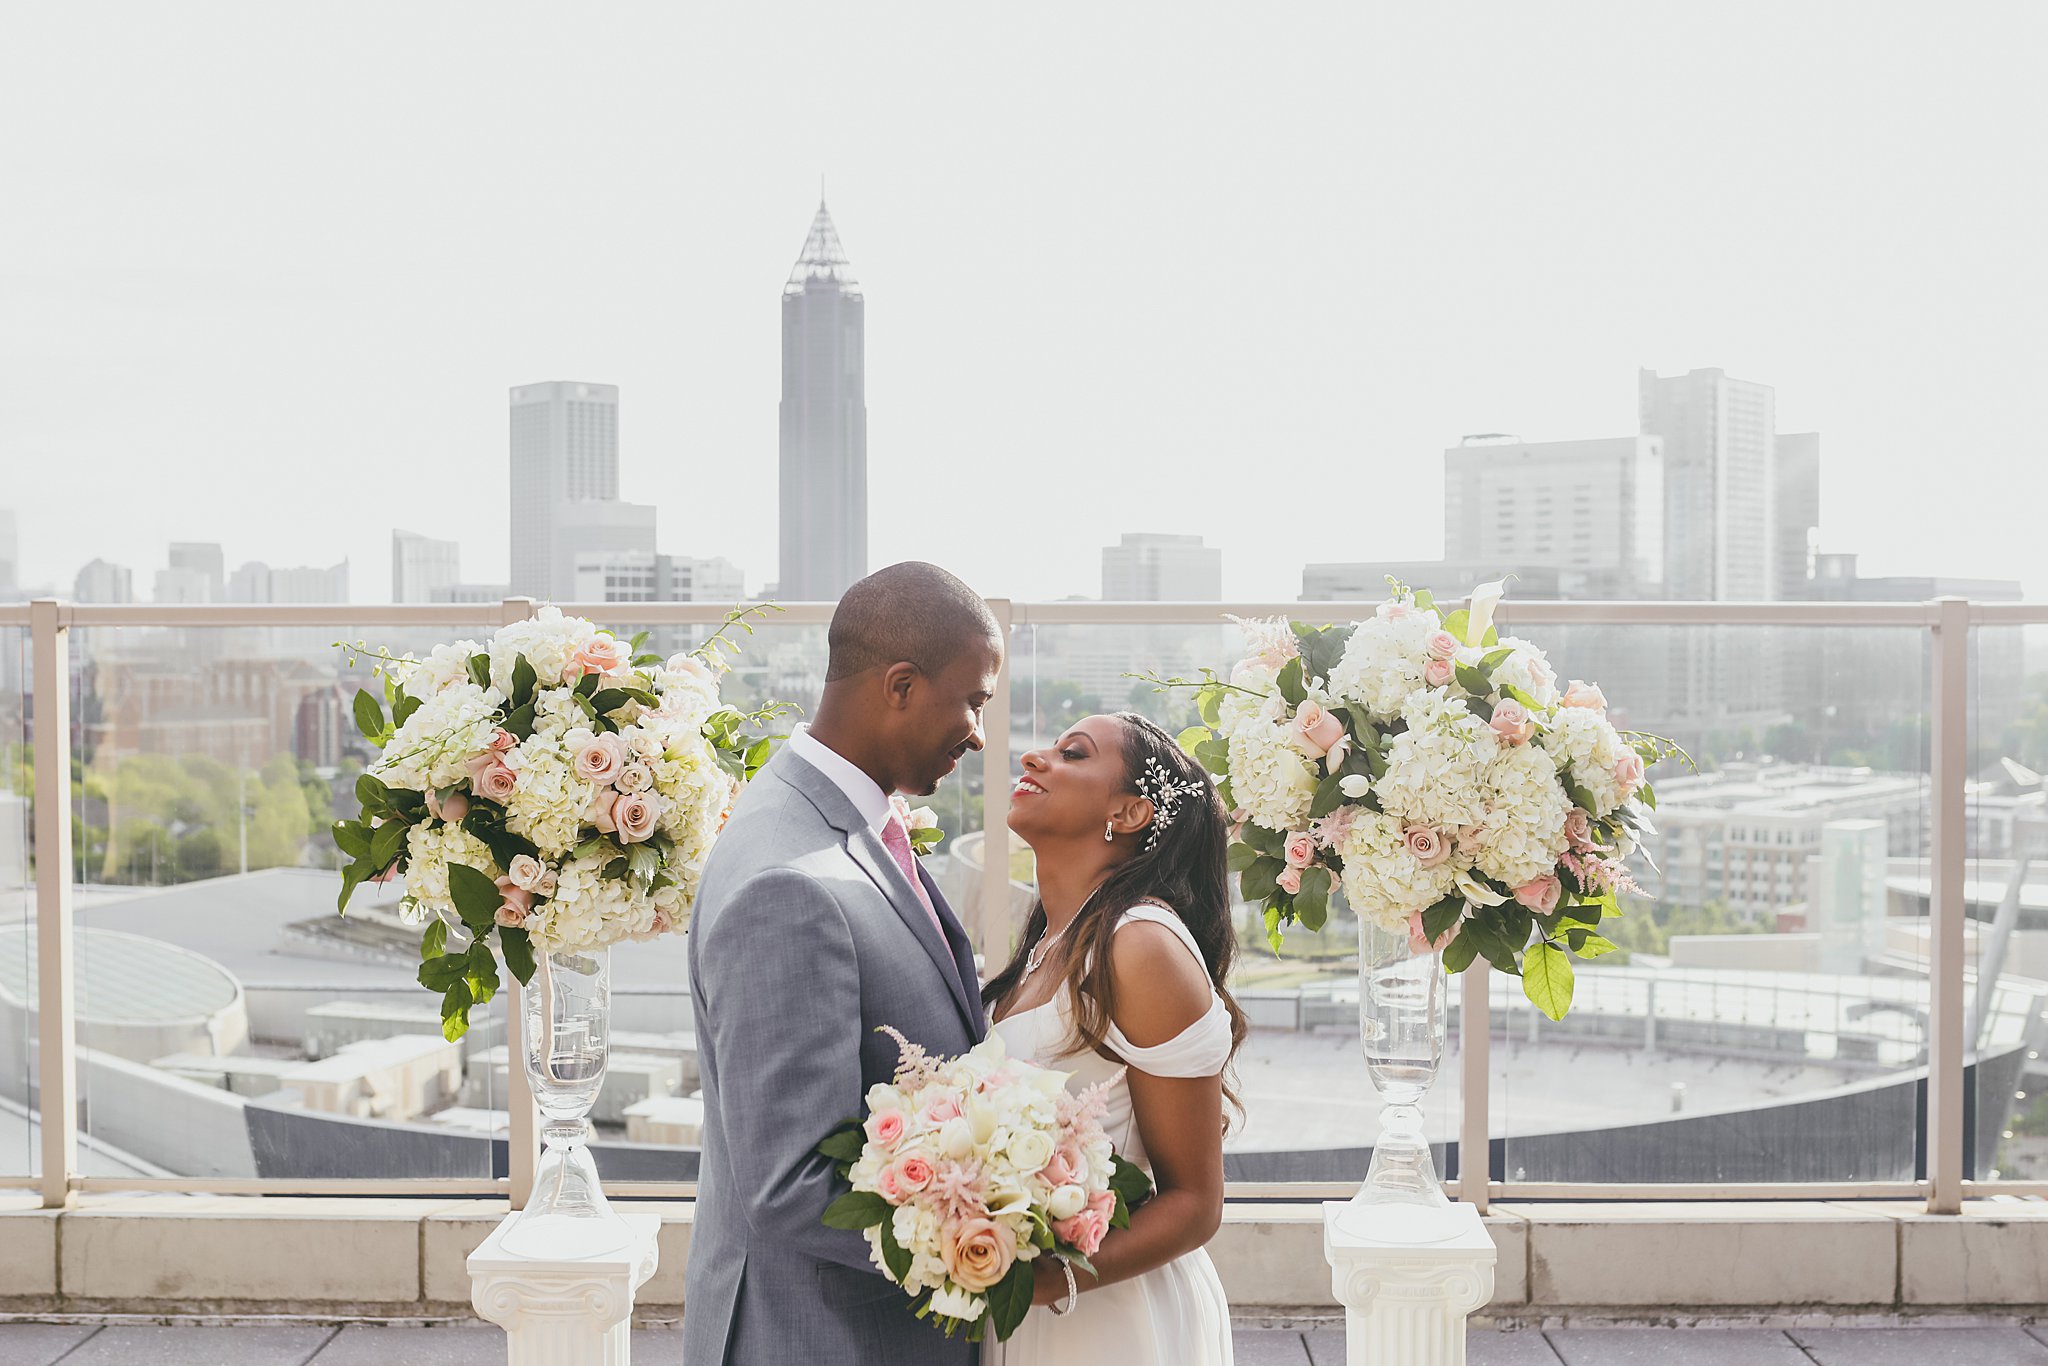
(967, 1170)
(921, 823)
(1435, 771)
(553, 789)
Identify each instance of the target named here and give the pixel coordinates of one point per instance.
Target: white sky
(268, 269)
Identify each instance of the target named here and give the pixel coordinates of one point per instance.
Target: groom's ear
(897, 681)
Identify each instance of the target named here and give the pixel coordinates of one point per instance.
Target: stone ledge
(1996, 1254)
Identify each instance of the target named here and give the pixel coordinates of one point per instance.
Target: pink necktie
(898, 841)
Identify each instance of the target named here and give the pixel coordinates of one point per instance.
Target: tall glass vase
(1401, 995)
(565, 1029)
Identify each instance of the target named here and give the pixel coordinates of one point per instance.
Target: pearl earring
(1109, 832)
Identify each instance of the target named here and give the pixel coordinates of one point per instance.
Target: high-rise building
(824, 466)
(565, 485)
(1593, 511)
(197, 573)
(100, 581)
(1720, 483)
(1149, 567)
(1797, 525)
(421, 565)
(10, 551)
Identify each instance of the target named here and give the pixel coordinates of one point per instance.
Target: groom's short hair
(911, 611)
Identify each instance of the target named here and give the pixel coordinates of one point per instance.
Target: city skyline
(1143, 306)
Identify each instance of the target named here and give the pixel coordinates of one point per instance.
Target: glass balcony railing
(1833, 982)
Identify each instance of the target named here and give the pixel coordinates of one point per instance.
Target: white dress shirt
(864, 792)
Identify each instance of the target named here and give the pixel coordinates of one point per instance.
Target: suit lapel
(865, 847)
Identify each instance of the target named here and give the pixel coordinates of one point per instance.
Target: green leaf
(523, 681)
(1460, 953)
(1329, 795)
(1424, 600)
(1009, 1299)
(351, 878)
(476, 896)
(1587, 944)
(586, 686)
(369, 716)
(1648, 796)
(517, 947)
(1209, 702)
(1191, 737)
(455, 1011)
(857, 1210)
(1484, 930)
(1528, 702)
(385, 842)
(759, 753)
(352, 839)
(609, 700)
(1312, 904)
(616, 869)
(1273, 929)
(1493, 659)
(403, 708)
(1289, 683)
(1547, 980)
(895, 1256)
(1473, 681)
(480, 670)
(519, 721)
(1361, 728)
(639, 639)
(1457, 623)
(1129, 1181)
(1261, 880)
(1581, 798)
(643, 861)
(1241, 857)
(1438, 919)
(844, 1144)
(443, 971)
(434, 942)
(374, 797)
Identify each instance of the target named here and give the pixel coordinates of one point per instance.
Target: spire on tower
(823, 260)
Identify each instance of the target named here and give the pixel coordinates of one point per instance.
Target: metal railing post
(56, 1022)
(1950, 851)
(992, 915)
(1475, 1046)
(522, 1115)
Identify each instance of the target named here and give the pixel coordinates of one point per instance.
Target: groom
(814, 925)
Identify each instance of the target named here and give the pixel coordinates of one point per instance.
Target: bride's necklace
(1038, 954)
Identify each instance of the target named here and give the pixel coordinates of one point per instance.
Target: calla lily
(1479, 617)
(1355, 785)
(1477, 892)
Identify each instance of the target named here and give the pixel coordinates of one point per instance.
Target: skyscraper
(420, 565)
(824, 467)
(101, 581)
(1720, 483)
(1593, 511)
(565, 485)
(1148, 567)
(1798, 512)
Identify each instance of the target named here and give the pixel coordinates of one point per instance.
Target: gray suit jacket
(805, 937)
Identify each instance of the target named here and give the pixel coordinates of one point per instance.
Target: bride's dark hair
(1187, 870)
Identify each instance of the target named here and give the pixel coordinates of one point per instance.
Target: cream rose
(1314, 730)
(599, 758)
(635, 814)
(979, 1254)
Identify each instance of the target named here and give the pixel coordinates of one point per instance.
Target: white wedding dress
(1175, 1315)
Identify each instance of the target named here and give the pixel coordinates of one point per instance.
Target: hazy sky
(268, 269)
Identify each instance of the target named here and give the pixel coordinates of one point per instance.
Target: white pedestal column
(563, 1313)
(1407, 1305)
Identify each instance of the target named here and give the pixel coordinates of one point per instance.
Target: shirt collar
(864, 792)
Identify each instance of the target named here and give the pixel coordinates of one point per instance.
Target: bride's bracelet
(1073, 1290)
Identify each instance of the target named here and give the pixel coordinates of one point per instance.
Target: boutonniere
(921, 822)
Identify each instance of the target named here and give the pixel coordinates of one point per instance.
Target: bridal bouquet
(1433, 770)
(968, 1169)
(552, 789)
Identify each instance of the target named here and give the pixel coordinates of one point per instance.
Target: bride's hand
(1049, 1283)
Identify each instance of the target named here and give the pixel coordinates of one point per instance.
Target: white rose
(1030, 1150)
(526, 872)
(1066, 1202)
(956, 1139)
(635, 778)
(956, 1303)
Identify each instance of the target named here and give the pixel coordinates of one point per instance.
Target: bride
(1120, 979)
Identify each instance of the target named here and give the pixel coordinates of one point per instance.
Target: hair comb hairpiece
(1158, 787)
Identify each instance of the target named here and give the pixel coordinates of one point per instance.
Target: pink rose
(1392, 611)
(600, 760)
(601, 656)
(1301, 850)
(1443, 645)
(451, 808)
(885, 1127)
(979, 1254)
(941, 1110)
(502, 740)
(888, 1186)
(1290, 881)
(1067, 1167)
(490, 779)
(599, 812)
(517, 903)
(1540, 894)
(1628, 772)
(1087, 1229)
(1583, 695)
(1511, 723)
(913, 1174)
(635, 815)
(1418, 938)
(1426, 846)
(1439, 672)
(1315, 729)
(1578, 829)
(525, 872)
